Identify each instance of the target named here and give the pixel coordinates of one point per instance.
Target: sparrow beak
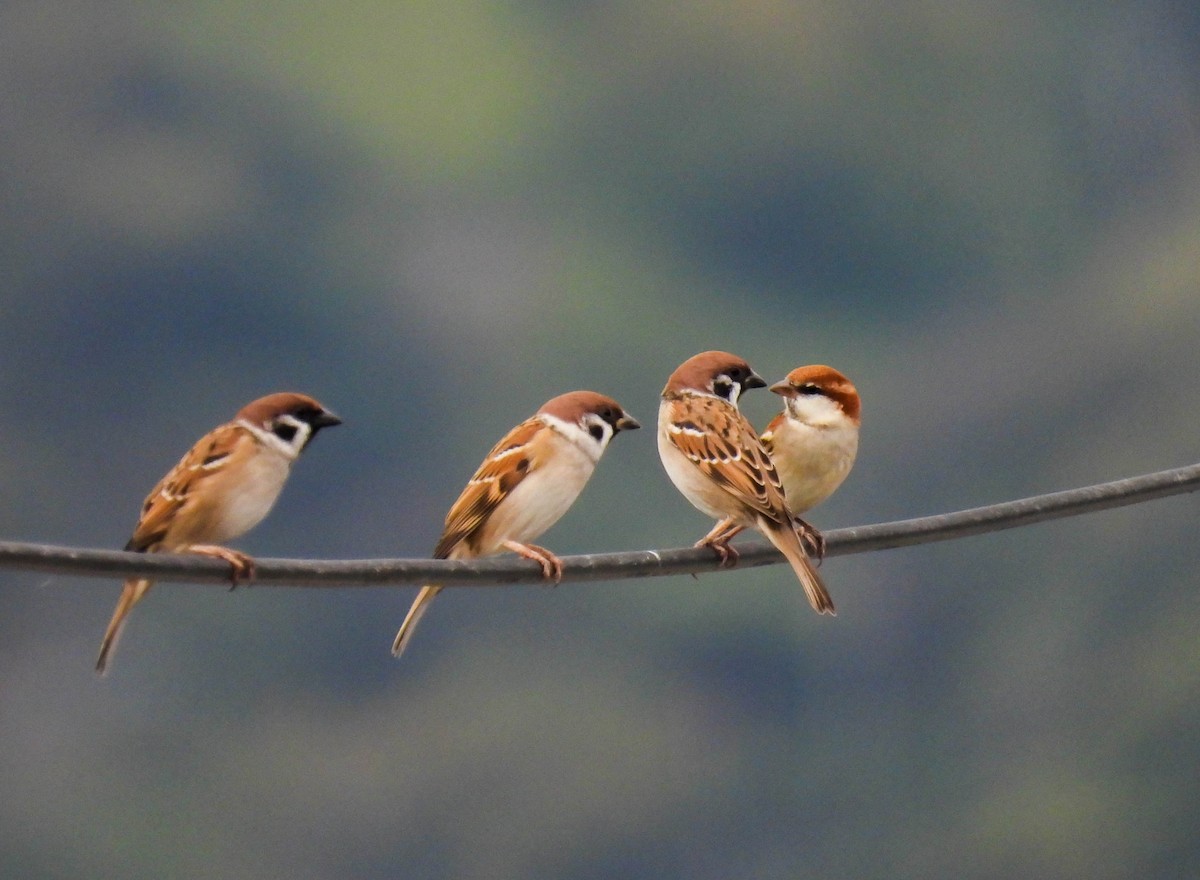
(325, 419)
(784, 389)
(627, 423)
(753, 381)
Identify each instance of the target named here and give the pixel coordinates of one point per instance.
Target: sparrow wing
(768, 436)
(510, 461)
(718, 440)
(160, 516)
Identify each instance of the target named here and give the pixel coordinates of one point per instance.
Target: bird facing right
(716, 460)
(522, 488)
(223, 487)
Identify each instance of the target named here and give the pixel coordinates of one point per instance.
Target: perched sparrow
(812, 443)
(524, 486)
(714, 457)
(221, 489)
(814, 440)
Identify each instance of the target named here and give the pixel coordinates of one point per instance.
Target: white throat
(816, 410)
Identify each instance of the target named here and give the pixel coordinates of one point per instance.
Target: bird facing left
(223, 487)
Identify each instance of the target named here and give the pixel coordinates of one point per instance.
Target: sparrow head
(816, 393)
(714, 373)
(599, 417)
(287, 421)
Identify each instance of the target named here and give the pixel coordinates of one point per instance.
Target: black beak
(627, 423)
(753, 381)
(324, 419)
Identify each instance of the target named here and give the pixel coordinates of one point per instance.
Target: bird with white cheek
(523, 487)
(716, 460)
(221, 488)
(813, 442)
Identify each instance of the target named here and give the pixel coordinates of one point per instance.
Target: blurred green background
(434, 217)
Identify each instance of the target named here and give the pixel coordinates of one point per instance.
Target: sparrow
(524, 485)
(716, 460)
(220, 490)
(813, 442)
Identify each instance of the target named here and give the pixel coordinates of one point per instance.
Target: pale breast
(242, 495)
(812, 462)
(539, 500)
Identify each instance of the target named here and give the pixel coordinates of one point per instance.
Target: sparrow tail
(131, 593)
(415, 613)
(787, 542)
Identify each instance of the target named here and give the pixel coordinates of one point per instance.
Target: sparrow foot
(552, 567)
(728, 554)
(241, 566)
(718, 540)
(811, 539)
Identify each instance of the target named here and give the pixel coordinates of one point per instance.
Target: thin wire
(599, 566)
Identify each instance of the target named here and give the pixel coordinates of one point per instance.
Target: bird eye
(284, 431)
(809, 388)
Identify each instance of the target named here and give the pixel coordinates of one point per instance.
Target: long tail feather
(131, 593)
(415, 613)
(788, 543)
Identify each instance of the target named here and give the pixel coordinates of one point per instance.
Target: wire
(600, 566)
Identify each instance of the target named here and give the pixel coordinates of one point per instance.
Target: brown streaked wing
(173, 491)
(732, 457)
(510, 461)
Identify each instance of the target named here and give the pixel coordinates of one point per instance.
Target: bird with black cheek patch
(221, 489)
(716, 460)
(523, 487)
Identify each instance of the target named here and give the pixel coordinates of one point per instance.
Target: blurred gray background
(434, 217)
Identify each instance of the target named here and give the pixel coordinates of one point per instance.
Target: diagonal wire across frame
(503, 570)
